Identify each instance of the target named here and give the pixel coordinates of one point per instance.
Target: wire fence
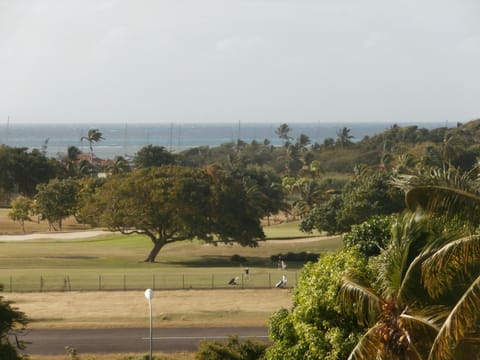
(126, 282)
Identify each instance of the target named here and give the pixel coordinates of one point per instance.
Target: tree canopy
(173, 203)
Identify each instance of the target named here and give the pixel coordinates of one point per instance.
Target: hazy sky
(239, 60)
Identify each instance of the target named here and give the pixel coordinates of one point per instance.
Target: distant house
(94, 161)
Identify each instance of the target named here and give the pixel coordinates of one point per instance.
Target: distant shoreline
(127, 139)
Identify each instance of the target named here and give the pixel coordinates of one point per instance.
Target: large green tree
(56, 200)
(21, 171)
(367, 194)
(173, 203)
(152, 155)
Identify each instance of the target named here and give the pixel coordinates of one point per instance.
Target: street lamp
(149, 296)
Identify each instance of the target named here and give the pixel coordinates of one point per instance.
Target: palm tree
(402, 317)
(118, 166)
(309, 194)
(344, 137)
(70, 161)
(282, 132)
(454, 198)
(93, 136)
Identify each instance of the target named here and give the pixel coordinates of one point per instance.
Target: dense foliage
(316, 327)
(364, 196)
(56, 200)
(174, 203)
(232, 349)
(370, 236)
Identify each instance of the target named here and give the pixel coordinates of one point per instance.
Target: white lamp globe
(149, 294)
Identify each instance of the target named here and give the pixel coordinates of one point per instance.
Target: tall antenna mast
(7, 130)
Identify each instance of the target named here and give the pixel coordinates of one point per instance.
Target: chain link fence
(116, 282)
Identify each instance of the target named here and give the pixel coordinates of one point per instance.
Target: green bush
(316, 327)
(232, 349)
(299, 257)
(238, 259)
(370, 236)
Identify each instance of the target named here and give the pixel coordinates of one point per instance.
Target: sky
(280, 61)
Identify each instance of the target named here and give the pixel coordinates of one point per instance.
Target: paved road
(53, 342)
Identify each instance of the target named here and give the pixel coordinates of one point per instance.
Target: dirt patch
(78, 257)
(52, 235)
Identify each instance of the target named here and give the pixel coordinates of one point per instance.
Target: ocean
(128, 139)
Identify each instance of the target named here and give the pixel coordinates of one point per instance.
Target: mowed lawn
(111, 262)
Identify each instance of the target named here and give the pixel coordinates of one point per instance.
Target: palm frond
(410, 287)
(368, 347)
(359, 296)
(445, 201)
(463, 320)
(429, 318)
(449, 263)
(397, 266)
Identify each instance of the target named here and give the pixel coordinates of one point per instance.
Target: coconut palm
(309, 193)
(454, 198)
(282, 132)
(344, 137)
(93, 136)
(119, 165)
(402, 317)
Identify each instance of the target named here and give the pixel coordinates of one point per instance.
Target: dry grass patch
(160, 356)
(10, 227)
(115, 309)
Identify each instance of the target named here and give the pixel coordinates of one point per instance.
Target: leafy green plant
(316, 327)
(370, 236)
(232, 349)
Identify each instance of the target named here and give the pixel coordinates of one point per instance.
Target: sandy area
(93, 233)
(55, 235)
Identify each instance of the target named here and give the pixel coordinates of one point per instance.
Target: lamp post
(149, 296)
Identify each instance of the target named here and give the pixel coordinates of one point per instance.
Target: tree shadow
(208, 261)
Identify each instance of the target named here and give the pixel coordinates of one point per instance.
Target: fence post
(213, 281)
(153, 281)
(270, 280)
(41, 283)
(99, 282)
(124, 282)
(11, 284)
(183, 281)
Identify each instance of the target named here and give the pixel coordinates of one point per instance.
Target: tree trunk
(153, 254)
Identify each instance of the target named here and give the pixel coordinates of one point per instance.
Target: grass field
(112, 309)
(115, 262)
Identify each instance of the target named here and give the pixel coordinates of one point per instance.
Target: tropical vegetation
(407, 200)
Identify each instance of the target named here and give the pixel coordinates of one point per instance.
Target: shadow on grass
(209, 261)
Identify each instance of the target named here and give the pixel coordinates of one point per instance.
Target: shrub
(369, 236)
(299, 257)
(232, 349)
(238, 259)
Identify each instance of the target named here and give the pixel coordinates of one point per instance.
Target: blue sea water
(127, 139)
